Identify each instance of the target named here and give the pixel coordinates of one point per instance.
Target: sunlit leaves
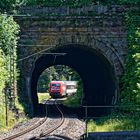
(130, 92)
(8, 39)
(8, 32)
(3, 72)
(9, 5)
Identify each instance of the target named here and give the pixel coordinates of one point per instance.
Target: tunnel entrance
(61, 83)
(96, 72)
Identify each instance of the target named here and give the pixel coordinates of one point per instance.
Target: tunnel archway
(74, 94)
(96, 72)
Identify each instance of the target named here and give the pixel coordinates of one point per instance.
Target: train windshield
(55, 86)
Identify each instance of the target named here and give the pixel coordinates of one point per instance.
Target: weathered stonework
(97, 27)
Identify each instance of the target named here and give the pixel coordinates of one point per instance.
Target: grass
(75, 100)
(114, 123)
(11, 119)
(11, 115)
(43, 96)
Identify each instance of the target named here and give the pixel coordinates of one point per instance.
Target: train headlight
(64, 88)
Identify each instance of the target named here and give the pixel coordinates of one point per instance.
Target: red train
(62, 88)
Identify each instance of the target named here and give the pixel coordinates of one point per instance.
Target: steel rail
(39, 123)
(46, 133)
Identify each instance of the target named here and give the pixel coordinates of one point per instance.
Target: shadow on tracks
(57, 137)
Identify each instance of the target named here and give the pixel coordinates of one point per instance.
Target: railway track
(38, 124)
(56, 126)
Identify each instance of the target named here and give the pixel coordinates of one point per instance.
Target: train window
(56, 85)
(71, 87)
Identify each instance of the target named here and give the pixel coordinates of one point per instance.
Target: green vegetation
(118, 120)
(8, 39)
(75, 100)
(113, 123)
(43, 96)
(43, 82)
(3, 78)
(11, 119)
(12, 5)
(77, 3)
(130, 94)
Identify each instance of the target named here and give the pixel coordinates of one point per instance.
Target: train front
(57, 89)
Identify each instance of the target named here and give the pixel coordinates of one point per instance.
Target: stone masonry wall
(97, 27)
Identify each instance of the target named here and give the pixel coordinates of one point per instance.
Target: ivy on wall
(131, 79)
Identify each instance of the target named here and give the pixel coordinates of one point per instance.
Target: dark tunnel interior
(96, 72)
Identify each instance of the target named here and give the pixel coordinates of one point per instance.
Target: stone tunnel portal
(96, 72)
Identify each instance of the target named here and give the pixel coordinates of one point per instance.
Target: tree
(56, 73)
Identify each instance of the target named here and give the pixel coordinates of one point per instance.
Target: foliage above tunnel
(77, 3)
(131, 78)
(8, 5)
